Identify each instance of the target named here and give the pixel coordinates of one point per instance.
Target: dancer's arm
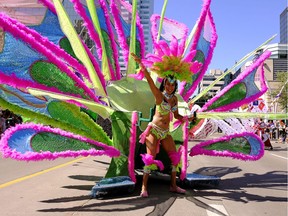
(156, 92)
(183, 118)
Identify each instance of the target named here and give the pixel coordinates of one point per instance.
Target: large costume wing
(242, 90)
(36, 51)
(203, 41)
(246, 88)
(62, 83)
(71, 86)
(244, 146)
(38, 61)
(38, 142)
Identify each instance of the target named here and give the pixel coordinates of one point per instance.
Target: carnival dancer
(158, 130)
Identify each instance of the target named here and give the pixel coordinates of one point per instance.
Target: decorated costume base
(123, 185)
(113, 186)
(195, 180)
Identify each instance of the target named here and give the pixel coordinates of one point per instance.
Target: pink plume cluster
(149, 160)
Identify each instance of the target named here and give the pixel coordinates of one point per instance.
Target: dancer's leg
(169, 146)
(151, 148)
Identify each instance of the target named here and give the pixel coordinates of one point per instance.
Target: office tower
(283, 26)
(145, 10)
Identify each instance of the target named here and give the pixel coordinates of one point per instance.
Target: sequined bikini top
(164, 108)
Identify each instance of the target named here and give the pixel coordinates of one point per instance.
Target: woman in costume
(266, 139)
(158, 130)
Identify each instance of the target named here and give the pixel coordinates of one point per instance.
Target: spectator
(260, 127)
(271, 127)
(8, 119)
(282, 131)
(266, 139)
(2, 123)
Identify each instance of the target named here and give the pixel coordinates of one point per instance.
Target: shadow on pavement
(236, 188)
(217, 171)
(161, 199)
(86, 178)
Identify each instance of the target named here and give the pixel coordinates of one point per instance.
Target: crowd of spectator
(276, 130)
(8, 119)
(272, 130)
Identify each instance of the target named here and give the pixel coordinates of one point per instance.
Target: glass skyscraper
(283, 26)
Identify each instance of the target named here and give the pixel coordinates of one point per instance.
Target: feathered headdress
(169, 61)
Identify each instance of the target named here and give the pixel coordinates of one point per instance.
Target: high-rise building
(145, 9)
(283, 26)
(210, 78)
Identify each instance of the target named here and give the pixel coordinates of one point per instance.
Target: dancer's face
(169, 87)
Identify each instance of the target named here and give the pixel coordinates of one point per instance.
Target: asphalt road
(63, 186)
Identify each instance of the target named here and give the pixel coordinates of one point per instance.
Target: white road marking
(220, 208)
(279, 156)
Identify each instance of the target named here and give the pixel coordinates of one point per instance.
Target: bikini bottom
(159, 132)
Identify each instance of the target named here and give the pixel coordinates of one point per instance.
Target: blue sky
(241, 25)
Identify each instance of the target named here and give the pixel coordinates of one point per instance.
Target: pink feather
(149, 160)
(190, 56)
(165, 48)
(174, 46)
(185, 150)
(132, 144)
(195, 67)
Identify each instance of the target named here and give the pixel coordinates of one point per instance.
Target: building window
(283, 56)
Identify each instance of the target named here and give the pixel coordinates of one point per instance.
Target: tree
(281, 93)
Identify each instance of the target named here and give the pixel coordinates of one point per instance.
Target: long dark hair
(162, 86)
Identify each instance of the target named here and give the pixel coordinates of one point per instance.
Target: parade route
(64, 186)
